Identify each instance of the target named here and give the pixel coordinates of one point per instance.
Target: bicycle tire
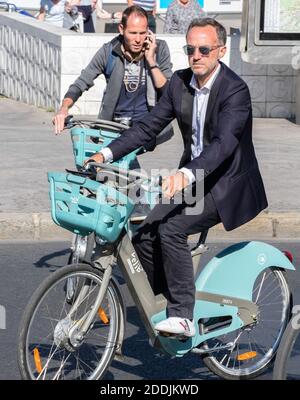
(40, 356)
(244, 369)
(285, 351)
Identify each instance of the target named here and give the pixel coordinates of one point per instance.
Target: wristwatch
(154, 66)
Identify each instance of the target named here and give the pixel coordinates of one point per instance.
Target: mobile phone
(147, 40)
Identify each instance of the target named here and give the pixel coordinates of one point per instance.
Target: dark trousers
(161, 245)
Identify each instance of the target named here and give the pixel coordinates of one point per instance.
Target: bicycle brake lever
(90, 167)
(81, 172)
(69, 122)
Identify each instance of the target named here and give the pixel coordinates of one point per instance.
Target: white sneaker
(177, 326)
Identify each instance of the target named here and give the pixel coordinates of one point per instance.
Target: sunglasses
(203, 50)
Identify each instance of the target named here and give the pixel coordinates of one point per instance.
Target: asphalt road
(25, 264)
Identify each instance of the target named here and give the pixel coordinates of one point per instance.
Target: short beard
(199, 74)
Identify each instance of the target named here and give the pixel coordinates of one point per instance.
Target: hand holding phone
(150, 46)
(147, 42)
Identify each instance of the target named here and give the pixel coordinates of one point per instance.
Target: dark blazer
(228, 158)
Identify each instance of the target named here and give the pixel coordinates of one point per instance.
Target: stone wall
(38, 62)
(272, 87)
(30, 61)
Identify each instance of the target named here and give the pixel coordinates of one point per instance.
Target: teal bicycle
(243, 301)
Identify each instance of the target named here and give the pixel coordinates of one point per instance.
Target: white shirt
(54, 12)
(201, 98)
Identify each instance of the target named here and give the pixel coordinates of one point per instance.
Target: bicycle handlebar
(105, 166)
(137, 178)
(70, 122)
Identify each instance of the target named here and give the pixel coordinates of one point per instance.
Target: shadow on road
(142, 361)
(43, 262)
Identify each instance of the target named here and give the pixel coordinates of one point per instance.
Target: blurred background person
(52, 11)
(76, 9)
(180, 14)
(103, 14)
(150, 7)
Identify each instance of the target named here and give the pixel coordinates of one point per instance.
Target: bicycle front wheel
(47, 349)
(288, 356)
(254, 347)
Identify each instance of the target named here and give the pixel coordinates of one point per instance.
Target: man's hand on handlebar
(174, 184)
(97, 158)
(59, 120)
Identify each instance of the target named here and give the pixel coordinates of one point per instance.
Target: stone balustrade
(38, 62)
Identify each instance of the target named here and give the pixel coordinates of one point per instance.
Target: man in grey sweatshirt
(136, 66)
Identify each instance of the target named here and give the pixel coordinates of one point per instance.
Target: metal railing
(11, 7)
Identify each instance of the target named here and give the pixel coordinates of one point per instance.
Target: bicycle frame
(217, 294)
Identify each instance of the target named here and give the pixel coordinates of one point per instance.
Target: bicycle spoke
(255, 349)
(260, 286)
(56, 376)
(52, 331)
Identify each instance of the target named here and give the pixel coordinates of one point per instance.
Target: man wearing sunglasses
(213, 108)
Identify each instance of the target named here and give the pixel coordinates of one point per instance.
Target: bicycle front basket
(87, 142)
(82, 206)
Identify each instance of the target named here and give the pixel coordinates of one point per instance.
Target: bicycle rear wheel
(288, 356)
(255, 346)
(46, 347)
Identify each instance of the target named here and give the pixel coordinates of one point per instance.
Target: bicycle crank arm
(227, 346)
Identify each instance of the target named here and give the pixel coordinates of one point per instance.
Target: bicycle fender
(123, 310)
(123, 313)
(234, 270)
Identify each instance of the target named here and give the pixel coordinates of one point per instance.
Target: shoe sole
(174, 335)
(137, 220)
